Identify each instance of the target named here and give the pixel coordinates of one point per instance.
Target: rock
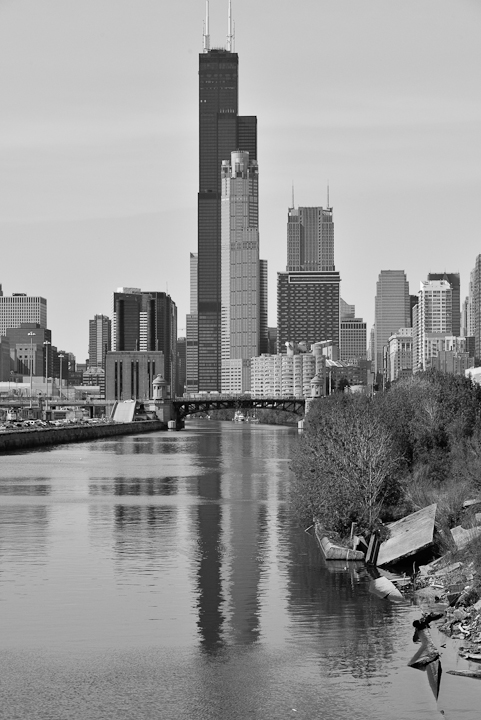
(460, 614)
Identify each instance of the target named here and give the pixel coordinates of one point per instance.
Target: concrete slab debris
(408, 536)
(463, 536)
(448, 569)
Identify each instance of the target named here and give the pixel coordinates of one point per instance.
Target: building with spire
(244, 325)
(310, 239)
(308, 299)
(221, 131)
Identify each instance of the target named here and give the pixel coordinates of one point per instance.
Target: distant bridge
(193, 405)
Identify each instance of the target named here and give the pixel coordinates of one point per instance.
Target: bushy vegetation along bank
(374, 460)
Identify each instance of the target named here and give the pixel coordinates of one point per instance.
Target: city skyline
(100, 127)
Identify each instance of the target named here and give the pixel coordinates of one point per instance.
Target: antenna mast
(206, 28)
(328, 195)
(230, 36)
(293, 194)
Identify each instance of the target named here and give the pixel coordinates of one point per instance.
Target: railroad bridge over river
(194, 405)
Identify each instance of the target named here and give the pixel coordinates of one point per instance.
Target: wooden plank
(408, 536)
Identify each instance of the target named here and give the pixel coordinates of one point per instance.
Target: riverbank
(40, 437)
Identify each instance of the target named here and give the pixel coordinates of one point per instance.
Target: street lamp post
(60, 357)
(31, 336)
(46, 343)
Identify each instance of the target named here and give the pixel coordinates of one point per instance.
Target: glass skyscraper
(221, 131)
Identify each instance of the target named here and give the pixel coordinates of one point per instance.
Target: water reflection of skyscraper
(207, 528)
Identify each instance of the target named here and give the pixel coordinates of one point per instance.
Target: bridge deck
(191, 406)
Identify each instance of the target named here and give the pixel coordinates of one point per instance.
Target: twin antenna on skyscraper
(230, 30)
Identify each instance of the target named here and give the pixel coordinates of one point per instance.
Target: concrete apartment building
(400, 354)
(432, 321)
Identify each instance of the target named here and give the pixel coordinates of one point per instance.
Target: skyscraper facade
(221, 131)
(21, 308)
(454, 280)
(243, 283)
(391, 311)
(100, 337)
(307, 308)
(432, 321)
(308, 300)
(192, 332)
(310, 239)
(475, 306)
(146, 321)
(353, 340)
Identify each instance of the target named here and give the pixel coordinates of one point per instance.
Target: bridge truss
(183, 407)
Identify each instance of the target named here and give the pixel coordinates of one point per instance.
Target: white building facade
(21, 308)
(243, 283)
(432, 322)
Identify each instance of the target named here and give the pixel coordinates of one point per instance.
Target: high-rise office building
(21, 308)
(181, 365)
(454, 280)
(192, 332)
(432, 321)
(307, 308)
(221, 131)
(308, 300)
(310, 239)
(353, 340)
(391, 312)
(100, 337)
(347, 311)
(243, 283)
(146, 321)
(475, 306)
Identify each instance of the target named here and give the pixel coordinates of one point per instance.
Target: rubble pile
(455, 589)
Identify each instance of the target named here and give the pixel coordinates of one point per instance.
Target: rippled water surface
(161, 576)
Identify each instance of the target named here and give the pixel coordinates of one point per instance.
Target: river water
(162, 576)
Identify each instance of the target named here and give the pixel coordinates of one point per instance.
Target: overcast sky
(99, 141)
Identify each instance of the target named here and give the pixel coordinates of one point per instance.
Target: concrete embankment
(39, 437)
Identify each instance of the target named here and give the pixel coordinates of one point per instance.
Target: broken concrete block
(463, 536)
(448, 569)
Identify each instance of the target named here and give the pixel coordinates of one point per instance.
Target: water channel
(162, 576)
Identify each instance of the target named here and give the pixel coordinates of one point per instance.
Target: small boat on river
(239, 416)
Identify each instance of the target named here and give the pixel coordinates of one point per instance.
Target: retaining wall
(38, 437)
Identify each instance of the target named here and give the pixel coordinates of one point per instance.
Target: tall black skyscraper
(145, 321)
(221, 131)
